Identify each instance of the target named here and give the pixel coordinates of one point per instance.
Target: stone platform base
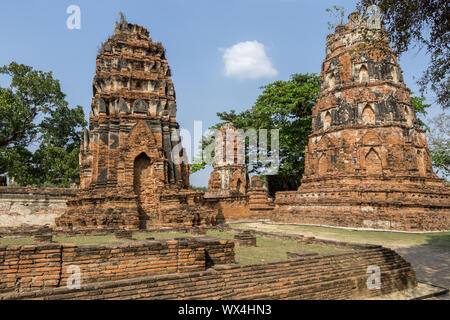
(182, 269)
(420, 292)
(90, 211)
(409, 208)
(121, 210)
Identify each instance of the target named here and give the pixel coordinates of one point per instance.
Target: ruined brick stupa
(367, 161)
(129, 174)
(230, 189)
(230, 170)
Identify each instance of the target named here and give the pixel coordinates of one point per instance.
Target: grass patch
(396, 239)
(160, 235)
(267, 249)
(16, 241)
(270, 249)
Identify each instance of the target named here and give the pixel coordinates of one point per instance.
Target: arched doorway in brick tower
(373, 163)
(238, 185)
(143, 187)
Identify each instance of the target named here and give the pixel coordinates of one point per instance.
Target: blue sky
(195, 33)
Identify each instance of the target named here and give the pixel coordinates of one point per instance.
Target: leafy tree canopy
(439, 143)
(283, 105)
(35, 115)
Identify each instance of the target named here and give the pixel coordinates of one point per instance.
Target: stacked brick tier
(37, 267)
(334, 276)
(230, 171)
(245, 239)
(132, 154)
(228, 182)
(367, 163)
(259, 203)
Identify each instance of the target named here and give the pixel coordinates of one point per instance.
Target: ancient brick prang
(367, 163)
(230, 170)
(230, 191)
(41, 266)
(130, 160)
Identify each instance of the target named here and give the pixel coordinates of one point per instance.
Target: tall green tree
(39, 134)
(283, 105)
(439, 143)
(422, 24)
(287, 106)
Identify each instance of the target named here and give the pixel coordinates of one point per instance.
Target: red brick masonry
(179, 270)
(37, 267)
(132, 163)
(367, 163)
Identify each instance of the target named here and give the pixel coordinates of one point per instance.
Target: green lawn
(270, 249)
(267, 249)
(396, 239)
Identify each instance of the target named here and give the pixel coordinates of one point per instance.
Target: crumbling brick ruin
(228, 181)
(195, 268)
(229, 189)
(230, 170)
(260, 205)
(367, 161)
(130, 160)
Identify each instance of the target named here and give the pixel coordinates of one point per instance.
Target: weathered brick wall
(403, 210)
(367, 163)
(230, 171)
(26, 207)
(131, 158)
(259, 202)
(232, 208)
(334, 276)
(37, 267)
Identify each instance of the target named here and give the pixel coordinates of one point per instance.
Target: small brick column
(245, 239)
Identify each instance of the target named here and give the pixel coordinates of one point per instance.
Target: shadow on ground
(431, 260)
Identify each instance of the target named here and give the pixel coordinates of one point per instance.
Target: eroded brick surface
(130, 160)
(195, 269)
(230, 170)
(42, 266)
(367, 161)
(230, 192)
(261, 206)
(26, 208)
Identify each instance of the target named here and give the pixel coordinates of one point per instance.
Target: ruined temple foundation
(367, 164)
(131, 160)
(229, 189)
(260, 205)
(229, 176)
(196, 268)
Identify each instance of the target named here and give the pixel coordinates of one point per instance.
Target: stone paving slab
(422, 291)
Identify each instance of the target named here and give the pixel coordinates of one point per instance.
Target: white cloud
(247, 60)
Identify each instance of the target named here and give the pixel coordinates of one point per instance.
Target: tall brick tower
(367, 161)
(129, 174)
(230, 170)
